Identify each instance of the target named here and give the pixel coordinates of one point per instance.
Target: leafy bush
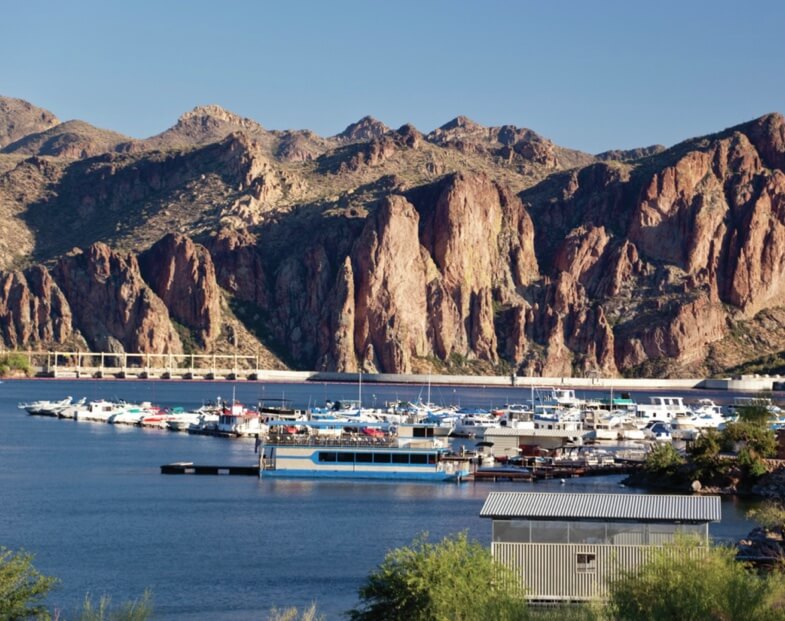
(755, 412)
(664, 460)
(705, 454)
(770, 515)
(454, 580)
(12, 362)
(687, 582)
(22, 587)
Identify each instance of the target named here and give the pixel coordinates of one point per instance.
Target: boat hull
(439, 477)
(361, 461)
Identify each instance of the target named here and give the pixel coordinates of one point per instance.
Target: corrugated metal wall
(551, 571)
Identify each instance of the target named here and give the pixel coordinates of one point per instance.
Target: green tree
(705, 454)
(22, 587)
(688, 582)
(770, 515)
(663, 460)
(454, 580)
(756, 411)
(756, 442)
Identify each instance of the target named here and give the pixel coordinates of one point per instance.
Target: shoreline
(742, 384)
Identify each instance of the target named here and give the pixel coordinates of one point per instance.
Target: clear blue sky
(588, 75)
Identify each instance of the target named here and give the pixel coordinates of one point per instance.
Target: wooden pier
(184, 467)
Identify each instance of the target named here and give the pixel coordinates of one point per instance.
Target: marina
(89, 500)
(556, 434)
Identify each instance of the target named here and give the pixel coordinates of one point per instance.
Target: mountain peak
(367, 128)
(18, 118)
(217, 113)
(460, 121)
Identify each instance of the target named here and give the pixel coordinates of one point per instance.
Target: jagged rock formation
(19, 118)
(181, 273)
(33, 310)
(389, 250)
(72, 140)
(677, 250)
(364, 130)
(131, 317)
(202, 125)
(508, 143)
(629, 155)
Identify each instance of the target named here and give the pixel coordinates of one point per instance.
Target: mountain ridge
(468, 249)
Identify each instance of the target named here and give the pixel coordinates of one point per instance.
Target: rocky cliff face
(387, 250)
(131, 318)
(33, 310)
(181, 273)
(677, 249)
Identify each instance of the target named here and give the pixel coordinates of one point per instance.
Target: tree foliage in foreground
(22, 587)
(685, 582)
(454, 580)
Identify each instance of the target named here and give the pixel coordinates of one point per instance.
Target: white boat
(474, 425)
(708, 415)
(99, 411)
(661, 409)
(305, 453)
(179, 420)
(660, 432)
(45, 408)
(133, 414)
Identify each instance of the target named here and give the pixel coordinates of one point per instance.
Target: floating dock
(186, 467)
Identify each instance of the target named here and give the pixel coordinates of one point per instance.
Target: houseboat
(333, 449)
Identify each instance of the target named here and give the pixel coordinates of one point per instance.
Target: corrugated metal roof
(644, 507)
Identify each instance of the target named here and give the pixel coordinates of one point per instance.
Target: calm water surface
(88, 500)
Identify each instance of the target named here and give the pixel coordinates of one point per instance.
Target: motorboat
(45, 408)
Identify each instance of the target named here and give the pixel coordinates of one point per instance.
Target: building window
(587, 564)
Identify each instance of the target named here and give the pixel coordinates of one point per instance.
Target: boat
(45, 408)
(661, 409)
(474, 423)
(236, 421)
(98, 411)
(333, 449)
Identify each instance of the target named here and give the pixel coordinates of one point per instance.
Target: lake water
(88, 500)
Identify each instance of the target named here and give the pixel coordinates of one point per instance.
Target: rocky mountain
(71, 140)
(470, 248)
(19, 118)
